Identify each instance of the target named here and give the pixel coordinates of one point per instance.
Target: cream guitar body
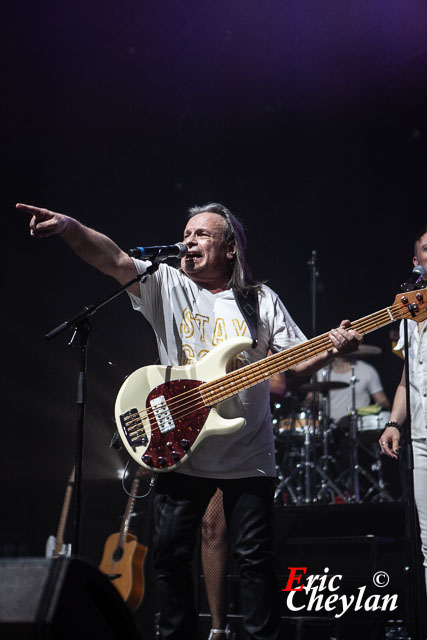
(167, 435)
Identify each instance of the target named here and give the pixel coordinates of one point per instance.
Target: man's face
(208, 260)
(420, 256)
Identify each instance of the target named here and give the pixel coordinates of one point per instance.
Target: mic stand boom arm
(81, 324)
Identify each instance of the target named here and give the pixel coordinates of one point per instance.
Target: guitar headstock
(411, 305)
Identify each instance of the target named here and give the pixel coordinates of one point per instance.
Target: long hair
(241, 277)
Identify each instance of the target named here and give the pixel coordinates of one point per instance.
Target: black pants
(179, 505)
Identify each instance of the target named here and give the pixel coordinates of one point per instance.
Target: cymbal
(368, 350)
(323, 387)
(363, 351)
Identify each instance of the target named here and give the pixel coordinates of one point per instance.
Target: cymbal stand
(284, 482)
(356, 469)
(353, 433)
(327, 483)
(304, 468)
(309, 468)
(287, 483)
(295, 483)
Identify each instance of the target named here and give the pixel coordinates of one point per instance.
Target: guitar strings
(365, 325)
(265, 369)
(179, 404)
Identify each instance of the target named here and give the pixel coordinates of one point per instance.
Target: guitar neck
(64, 515)
(128, 512)
(250, 375)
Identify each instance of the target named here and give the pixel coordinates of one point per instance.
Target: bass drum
(371, 426)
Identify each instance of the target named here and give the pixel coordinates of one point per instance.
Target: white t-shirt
(188, 322)
(340, 400)
(417, 345)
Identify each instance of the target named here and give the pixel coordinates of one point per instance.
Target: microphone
(417, 273)
(160, 252)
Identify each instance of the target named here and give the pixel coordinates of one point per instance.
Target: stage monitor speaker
(60, 599)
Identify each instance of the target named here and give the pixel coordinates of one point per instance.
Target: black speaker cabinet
(60, 599)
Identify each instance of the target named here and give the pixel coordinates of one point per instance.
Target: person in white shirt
(368, 387)
(192, 310)
(390, 439)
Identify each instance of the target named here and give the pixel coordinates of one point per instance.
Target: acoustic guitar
(55, 544)
(123, 557)
(164, 412)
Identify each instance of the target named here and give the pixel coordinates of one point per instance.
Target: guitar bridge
(133, 428)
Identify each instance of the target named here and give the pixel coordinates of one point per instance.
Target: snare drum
(373, 424)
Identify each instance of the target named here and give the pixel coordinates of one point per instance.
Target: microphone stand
(80, 324)
(314, 274)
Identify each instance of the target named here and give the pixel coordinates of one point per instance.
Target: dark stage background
(306, 118)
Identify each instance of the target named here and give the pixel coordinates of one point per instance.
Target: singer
(191, 310)
(390, 439)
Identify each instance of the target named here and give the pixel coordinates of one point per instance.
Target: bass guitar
(164, 412)
(55, 545)
(123, 557)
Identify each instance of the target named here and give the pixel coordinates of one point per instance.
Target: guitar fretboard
(128, 512)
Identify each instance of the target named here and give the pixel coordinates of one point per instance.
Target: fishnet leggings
(214, 551)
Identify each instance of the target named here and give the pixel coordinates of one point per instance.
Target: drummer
(370, 396)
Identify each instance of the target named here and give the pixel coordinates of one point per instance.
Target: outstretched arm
(92, 246)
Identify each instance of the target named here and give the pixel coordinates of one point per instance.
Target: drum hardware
(363, 351)
(300, 484)
(311, 428)
(372, 425)
(356, 444)
(308, 467)
(285, 483)
(295, 426)
(323, 386)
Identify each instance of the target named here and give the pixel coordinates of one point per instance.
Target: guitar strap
(248, 305)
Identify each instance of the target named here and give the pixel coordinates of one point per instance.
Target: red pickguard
(187, 427)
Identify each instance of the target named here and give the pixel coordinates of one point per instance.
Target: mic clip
(413, 286)
(407, 286)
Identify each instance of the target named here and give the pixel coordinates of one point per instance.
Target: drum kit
(320, 462)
